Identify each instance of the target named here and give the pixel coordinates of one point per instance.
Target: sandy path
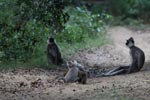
(116, 53)
(39, 84)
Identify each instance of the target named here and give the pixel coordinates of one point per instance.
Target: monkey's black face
(51, 40)
(71, 64)
(130, 42)
(127, 42)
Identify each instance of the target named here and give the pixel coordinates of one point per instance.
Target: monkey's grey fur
(53, 52)
(138, 60)
(76, 73)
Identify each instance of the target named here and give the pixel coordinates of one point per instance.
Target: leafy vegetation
(26, 25)
(130, 9)
(82, 24)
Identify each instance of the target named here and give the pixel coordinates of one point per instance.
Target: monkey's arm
(58, 55)
(48, 54)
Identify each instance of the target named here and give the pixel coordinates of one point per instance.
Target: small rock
(74, 90)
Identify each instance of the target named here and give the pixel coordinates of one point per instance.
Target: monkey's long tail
(95, 73)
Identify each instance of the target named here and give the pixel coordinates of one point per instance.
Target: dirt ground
(40, 84)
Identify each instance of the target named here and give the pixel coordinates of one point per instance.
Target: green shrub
(26, 25)
(22, 45)
(82, 24)
(131, 8)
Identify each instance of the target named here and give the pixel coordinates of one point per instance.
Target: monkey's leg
(119, 72)
(116, 70)
(82, 80)
(77, 79)
(51, 60)
(56, 60)
(111, 71)
(60, 61)
(48, 59)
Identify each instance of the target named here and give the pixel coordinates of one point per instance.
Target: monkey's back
(53, 53)
(139, 56)
(141, 59)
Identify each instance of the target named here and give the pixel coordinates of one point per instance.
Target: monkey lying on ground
(53, 52)
(76, 73)
(138, 59)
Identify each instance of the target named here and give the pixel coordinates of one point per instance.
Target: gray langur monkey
(138, 60)
(76, 73)
(53, 52)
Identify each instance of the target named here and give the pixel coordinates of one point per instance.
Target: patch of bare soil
(40, 84)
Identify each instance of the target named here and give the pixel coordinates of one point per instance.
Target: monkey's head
(71, 64)
(130, 42)
(51, 40)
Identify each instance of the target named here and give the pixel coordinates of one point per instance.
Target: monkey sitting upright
(53, 52)
(75, 73)
(138, 59)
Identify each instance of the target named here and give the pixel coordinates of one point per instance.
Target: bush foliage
(82, 24)
(136, 9)
(26, 25)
